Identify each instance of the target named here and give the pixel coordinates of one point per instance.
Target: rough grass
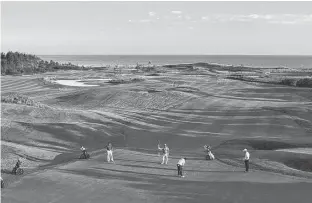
(259, 144)
(16, 98)
(285, 80)
(125, 81)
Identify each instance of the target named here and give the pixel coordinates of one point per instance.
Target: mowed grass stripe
(17, 83)
(53, 94)
(34, 90)
(21, 87)
(25, 89)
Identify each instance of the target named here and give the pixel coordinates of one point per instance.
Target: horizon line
(173, 54)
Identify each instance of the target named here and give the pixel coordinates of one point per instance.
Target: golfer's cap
(166, 144)
(245, 150)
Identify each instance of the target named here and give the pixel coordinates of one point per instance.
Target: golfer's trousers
(110, 156)
(247, 165)
(179, 169)
(165, 159)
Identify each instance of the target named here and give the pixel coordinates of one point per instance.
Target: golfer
(83, 150)
(165, 152)
(159, 149)
(246, 159)
(109, 149)
(209, 155)
(180, 165)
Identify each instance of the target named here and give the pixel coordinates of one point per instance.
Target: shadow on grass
(150, 167)
(175, 169)
(132, 172)
(98, 175)
(140, 161)
(63, 158)
(6, 171)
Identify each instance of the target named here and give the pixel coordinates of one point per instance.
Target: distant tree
(19, 63)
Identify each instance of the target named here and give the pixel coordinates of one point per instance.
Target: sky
(213, 28)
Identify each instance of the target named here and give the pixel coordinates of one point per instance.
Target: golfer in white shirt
(165, 152)
(180, 165)
(246, 159)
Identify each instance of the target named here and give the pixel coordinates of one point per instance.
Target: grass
(137, 116)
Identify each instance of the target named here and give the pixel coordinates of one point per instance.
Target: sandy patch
(74, 83)
(95, 80)
(297, 150)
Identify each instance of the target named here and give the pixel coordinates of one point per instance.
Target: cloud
(145, 21)
(141, 21)
(205, 18)
(282, 22)
(187, 17)
(269, 18)
(191, 28)
(176, 12)
(151, 13)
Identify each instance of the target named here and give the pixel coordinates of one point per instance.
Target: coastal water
(247, 60)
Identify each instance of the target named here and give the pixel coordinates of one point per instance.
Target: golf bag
(210, 156)
(85, 156)
(17, 171)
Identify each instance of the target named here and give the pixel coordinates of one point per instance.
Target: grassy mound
(303, 164)
(262, 144)
(289, 81)
(298, 161)
(95, 99)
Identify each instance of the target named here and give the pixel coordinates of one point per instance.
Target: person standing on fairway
(165, 152)
(109, 149)
(180, 165)
(83, 151)
(209, 155)
(246, 159)
(159, 149)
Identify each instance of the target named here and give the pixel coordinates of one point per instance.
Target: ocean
(247, 60)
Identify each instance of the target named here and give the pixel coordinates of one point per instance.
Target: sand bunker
(297, 150)
(75, 83)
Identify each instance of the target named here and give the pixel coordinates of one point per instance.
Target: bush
(288, 81)
(16, 98)
(124, 81)
(305, 82)
(153, 74)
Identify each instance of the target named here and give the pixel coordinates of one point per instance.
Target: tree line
(16, 63)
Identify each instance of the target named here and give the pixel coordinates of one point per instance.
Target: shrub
(304, 82)
(288, 81)
(16, 98)
(124, 81)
